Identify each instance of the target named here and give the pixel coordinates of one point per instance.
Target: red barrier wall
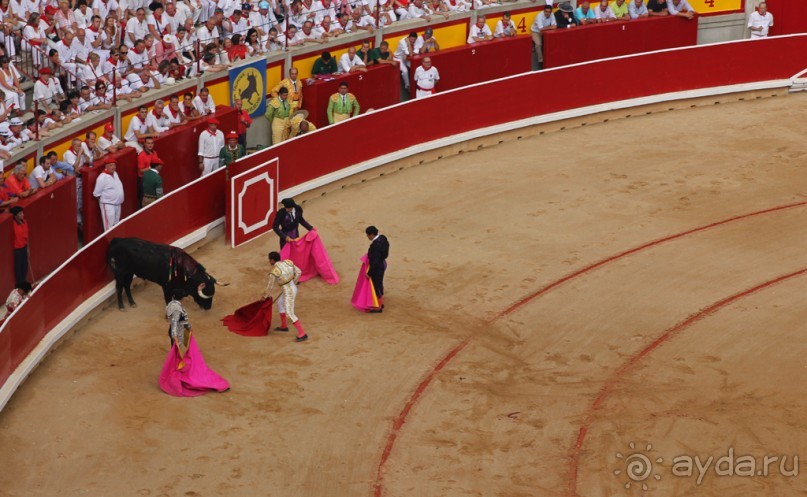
(52, 226)
(599, 41)
(458, 111)
(52, 233)
(6, 257)
(463, 66)
(788, 17)
(379, 87)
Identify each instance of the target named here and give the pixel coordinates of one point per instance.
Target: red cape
(252, 320)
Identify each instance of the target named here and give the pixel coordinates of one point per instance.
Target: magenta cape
(309, 254)
(189, 376)
(252, 320)
(364, 297)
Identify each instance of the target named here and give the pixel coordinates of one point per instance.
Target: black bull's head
(203, 288)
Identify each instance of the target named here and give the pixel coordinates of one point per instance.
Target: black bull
(169, 267)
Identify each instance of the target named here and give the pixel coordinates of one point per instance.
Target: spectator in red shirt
(20, 244)
(5, 198)
(244, 122)
(17, 184)
(144, 161)
(236, 49)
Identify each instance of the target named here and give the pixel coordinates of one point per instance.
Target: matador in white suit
(285, 275)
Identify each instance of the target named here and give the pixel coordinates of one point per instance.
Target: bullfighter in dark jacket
(377, 258)
(288, 220)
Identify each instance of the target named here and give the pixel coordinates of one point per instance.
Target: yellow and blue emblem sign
(249, 84)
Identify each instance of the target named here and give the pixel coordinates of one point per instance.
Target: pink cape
(364, 297)
(252, 320)
(309, 254)
(189, 376)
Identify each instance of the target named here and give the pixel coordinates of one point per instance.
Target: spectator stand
(522, 17)
(449, 33)
(303, 57)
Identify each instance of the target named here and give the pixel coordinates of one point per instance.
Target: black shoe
(301, 339)
(375, 311)
(281, 329)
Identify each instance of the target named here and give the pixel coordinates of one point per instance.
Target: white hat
(15, 121)
(169, 39)
(170, 81)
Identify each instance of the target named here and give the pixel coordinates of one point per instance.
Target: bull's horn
(202, 293)
(221, 284)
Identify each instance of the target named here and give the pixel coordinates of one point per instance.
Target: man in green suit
(342, 105)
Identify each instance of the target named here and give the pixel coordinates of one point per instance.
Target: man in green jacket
(325, 65)
(342, 105)
(152, 182)
(232, 151)
(278, 111)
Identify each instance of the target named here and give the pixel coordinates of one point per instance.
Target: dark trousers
(242, 140)
(139, 192)
(378, 281)
(21, 264)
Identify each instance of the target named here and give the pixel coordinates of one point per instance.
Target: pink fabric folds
(309, 254)
(364, 297)
(189, 376)
(252, 320)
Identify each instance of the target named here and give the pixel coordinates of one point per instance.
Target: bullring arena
(545, 310)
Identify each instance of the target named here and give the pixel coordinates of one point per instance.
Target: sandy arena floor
(486, 375)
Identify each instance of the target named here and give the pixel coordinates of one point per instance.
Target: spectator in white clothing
(760, 21)
(505, 27)
(426, 77)
(405, 50)
(680, 8)
(47, 89)
(139, 130)
(350, 62)
(203, 103)
(479, 31)
(109, 192)
(156, 119)
(136, 28)
(108, 142)
(604, 13)
(637, 9)
(43, 175)
(211, 141)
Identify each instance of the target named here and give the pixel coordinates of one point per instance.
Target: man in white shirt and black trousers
(109, 192)
(211, 141)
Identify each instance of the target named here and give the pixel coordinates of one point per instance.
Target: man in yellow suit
(300, 124)
(342, 105)
(295, 87)
(278, 112)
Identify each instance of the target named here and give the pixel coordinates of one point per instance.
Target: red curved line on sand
(617, 375)
(399, 420)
